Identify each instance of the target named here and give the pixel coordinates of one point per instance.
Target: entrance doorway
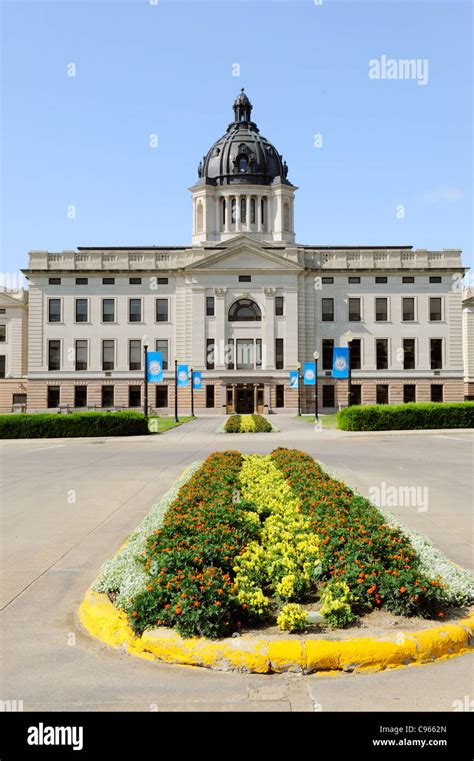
(244, 400)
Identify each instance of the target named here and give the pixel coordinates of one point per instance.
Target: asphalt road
(68, 505)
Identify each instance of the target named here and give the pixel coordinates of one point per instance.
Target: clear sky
(167, 67)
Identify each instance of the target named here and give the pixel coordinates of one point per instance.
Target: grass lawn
(165, 423)
(328, 421)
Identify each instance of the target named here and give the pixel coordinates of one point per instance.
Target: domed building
(244, 304)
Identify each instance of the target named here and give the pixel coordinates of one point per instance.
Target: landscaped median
(247, 424)
(266, 563)
(411, 416)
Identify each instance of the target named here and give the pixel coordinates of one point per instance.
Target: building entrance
(244, 400)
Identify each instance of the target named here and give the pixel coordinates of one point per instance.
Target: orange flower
(403, 589)
(441, 614)
(177, 610)
(134, 614)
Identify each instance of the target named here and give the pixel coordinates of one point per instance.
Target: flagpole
(145, 399)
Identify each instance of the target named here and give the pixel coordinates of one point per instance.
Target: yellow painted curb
(103, 621)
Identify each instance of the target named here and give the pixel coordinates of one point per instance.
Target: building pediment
(244, 252)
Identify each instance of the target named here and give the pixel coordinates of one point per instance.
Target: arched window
(243, 164)
(252, 211)
(286, 217)
(233, 211)
(199, 217)
(243, 210)
(245, 310)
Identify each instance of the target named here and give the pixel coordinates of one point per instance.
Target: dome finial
(242, 107)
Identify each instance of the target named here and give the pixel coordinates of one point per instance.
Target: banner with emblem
(197, 379)
(294, 380)
(154, 370)
(183, 373)
(340, 362)
(309, 374)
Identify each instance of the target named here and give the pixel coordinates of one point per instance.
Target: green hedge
(233, 424)
(58, 425)
(261, 424)
(397, 417)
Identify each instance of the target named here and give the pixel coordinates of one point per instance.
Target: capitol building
(243, 303)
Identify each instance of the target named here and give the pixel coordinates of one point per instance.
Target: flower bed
(248, 539)
(247, 424)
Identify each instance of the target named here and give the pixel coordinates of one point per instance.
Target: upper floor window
(210, 308)
(327, 310)
(354, 310)
(354, 280)
(3, 333)
(435, 309)
(252, 216)
(243, 164)
(108, 310)
(436, 353)
(54, 310)
(2, 365)
(134, 281)
(108, 281)
(381, 310)
(54, 281)
(82, 280)
(328, 347)
(327, 280)
(435, 278)
(244, 310)
(54, 355)
(162, 310)
(380, 279)
(406, 279)
(408, 309)
(279, 306)
(245, 278)
(356, 353)
(243, 210)
(135, 310)
(82, 310)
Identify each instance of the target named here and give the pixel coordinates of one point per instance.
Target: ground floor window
(409, 393)
(80, 396)
(19, 399)
(2, 365)
(356, 397)
(280, 396)
(134, 396)
(107, 396)
(162, 396)
(381, 391)
(53, 396)
(209, 396)
(436, 392)
(329, 395)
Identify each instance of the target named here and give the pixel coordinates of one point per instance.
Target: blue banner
(154, 370)
(294, 378)
(340, 362)
(309, 376)
(183, 375)
(197, 380)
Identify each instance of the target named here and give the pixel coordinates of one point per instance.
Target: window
(108, 354)
(108, 281)
(54, 281)
(223, 211)
(355, 351)
(245, 358)
(81, 310)
(436, 353)
(233, 212)
(243, 164)
(53, 396)
(280, 396)
(245, 278)
(408, 353)
(329, 395)
(408, 309)
(210, 306)
(3, 333)
(82, 280)
(327, 310)
(209, 396)
(2, 365)
(436, 392)
(252, 211)
(381, 394)
(354, 310)
(258, 352)
(19, 399)
(161, 396)
(435, 309)
(108, 310)
(243, 210)
(408, 279)
(162, 310)
(356, 397)
(54, 310)
(244, 310)
(229, 354)
(54, 355)
(327, 280)
(264, 210)
(381, 310)
(135, 310)
(328, 347)
(279, 305)
(353, 280)
(286, 217)
(162, 280)
(134, 281)
(107, 396)
(381, 279)
(134, 396)
(162, 345)
(3, 311)
(279, 357)
(210, 359)
(81, 355)
(435, 278)
(80, 396)
(135, 354)
(381, 350)
(409, 393)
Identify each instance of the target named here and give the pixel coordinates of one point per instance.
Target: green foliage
(386, 417)
(232, 424)
(247, 423)
(261, 424)
(336, 599)
(57, 425)
(292, 618)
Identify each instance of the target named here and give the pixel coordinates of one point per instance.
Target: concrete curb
(106, 623)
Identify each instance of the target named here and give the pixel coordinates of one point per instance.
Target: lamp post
(349, 338)
(145, 398)
(299, 388)
(176, 418)
(316, 357)
(192, 392)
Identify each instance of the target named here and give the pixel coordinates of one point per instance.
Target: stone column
(269, 329)
(258, 202)
(228, 212)
(221, 318)
(237, 213)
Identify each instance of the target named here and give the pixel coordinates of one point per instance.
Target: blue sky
(167, 69)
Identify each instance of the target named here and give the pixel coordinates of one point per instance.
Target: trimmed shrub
(247, 424)
(261, 424)
(397, 417)
(232, 424)
(48, 425)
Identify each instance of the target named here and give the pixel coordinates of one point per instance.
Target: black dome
(242, 155)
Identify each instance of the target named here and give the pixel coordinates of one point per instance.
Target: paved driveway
(68, 505)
